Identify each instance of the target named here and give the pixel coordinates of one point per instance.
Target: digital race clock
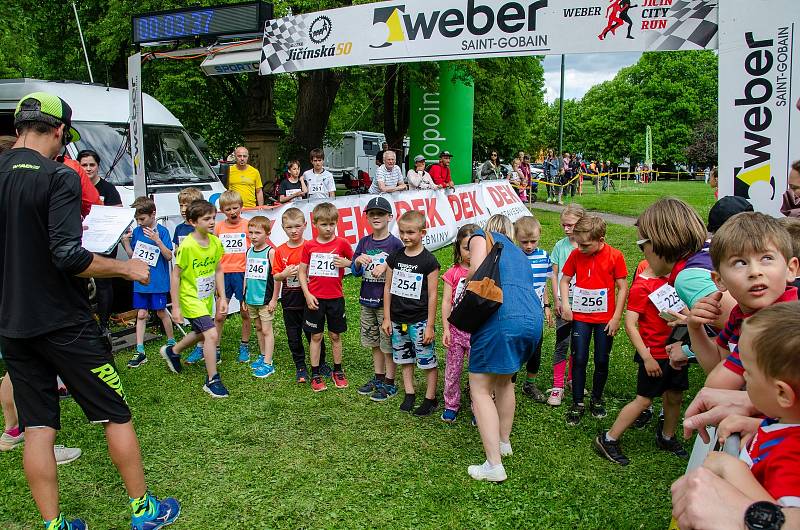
(199, 22)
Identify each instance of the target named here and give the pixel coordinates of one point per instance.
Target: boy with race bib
(260, 294)
(649, 301)
(196, 277)
(409, 310)
(369, 262)
(596, 310)
(319, 181)
(150, 243)
(232, 233)
(322, 265)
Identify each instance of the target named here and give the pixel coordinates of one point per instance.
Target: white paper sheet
(105, 226)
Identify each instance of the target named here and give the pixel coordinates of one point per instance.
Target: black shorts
(671, 379)
(332, 311)
(82, 357)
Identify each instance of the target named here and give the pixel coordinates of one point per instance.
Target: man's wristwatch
(763, 515)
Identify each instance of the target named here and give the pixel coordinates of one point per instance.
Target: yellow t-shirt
(246, 183)
(198, 266)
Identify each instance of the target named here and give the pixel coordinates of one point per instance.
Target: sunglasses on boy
(640, 243)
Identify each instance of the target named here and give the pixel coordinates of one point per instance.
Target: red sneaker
(339, 380)
(317, 384)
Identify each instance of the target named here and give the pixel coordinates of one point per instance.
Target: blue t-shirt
(259, 283)
(181, 231)
(371, 287)
(159, 274)
(542, 269)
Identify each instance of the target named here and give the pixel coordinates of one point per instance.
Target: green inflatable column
(442, 121)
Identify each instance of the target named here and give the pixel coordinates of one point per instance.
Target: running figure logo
(617, 14)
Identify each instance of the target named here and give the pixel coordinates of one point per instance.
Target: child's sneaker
(75, 524)
(173, 360)
(488, 472)
(215, 388)
(325, 370)
(196, 356)
(339, 379)
(65, 455)
(244, 353)
(449, 416)
(301, 375)
(264, 371)
(530, 389)
(575, 413)
(556, 395)
(369, 387)
(317, 384)
(427, 407)
(609, 450)
(506, 449)
(11, 438)
(672, 445)
(597, 409)
(643, 419)
(138, 359)
(165, 513)
(408, 402)
(258, 362)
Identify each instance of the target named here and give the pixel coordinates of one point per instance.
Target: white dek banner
(434, 30)
(758, 115)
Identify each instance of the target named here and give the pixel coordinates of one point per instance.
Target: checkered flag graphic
(693, 25)
(280, 36)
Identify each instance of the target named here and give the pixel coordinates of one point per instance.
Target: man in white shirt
(319, 180)
(388, 177)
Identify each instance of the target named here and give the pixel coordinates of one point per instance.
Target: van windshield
(170, 155)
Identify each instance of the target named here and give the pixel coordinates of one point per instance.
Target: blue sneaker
(196, 356)
(383, 392)
(167, 511)
(263, 371)
(173, 360)
(325, 370)
(138, 359)
(244, 353)
(301, 375)
(449, 416)
(215, 388)
(258, 362)
(75, 524)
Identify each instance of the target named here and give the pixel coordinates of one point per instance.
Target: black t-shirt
(287, 185)
(40, 246)
(108, 193)
(410, 276)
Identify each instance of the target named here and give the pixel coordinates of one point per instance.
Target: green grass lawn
(276, 455)
(631, 198)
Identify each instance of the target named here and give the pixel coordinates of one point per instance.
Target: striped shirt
(390, 178)
(542, 269)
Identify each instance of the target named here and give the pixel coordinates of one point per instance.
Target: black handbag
(483, 295)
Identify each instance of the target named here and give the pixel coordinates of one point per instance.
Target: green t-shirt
(198, 265)
(561, 252)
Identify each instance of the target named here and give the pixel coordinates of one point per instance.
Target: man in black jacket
(46, 325)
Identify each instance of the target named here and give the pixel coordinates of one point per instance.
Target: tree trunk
(396, 101)
(316, 92)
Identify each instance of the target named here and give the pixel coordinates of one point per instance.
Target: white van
(100, 114)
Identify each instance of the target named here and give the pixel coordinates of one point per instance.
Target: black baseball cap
(46, 108)
(445, 154)
(379, 203)
(724, 209)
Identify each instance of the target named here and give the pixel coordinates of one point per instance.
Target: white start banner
(436, 30)
(758, 115)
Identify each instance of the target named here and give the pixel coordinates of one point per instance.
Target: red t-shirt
(774, 459)
(89, 194)
(597, 273)
(440, 174)
(235, 241)
(291, 294)
(325, 287)
(653, 329)
(729, 336)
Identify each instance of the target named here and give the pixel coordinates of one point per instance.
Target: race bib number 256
(590, 300)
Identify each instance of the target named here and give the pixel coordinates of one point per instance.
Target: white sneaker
(556, 395)
(505, 449)
(8, 442)
(65, 455)
(488, 472)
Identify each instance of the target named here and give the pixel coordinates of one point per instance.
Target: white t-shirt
(389, 178)
(319, 184)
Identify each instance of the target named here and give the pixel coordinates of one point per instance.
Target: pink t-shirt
(456, 278)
